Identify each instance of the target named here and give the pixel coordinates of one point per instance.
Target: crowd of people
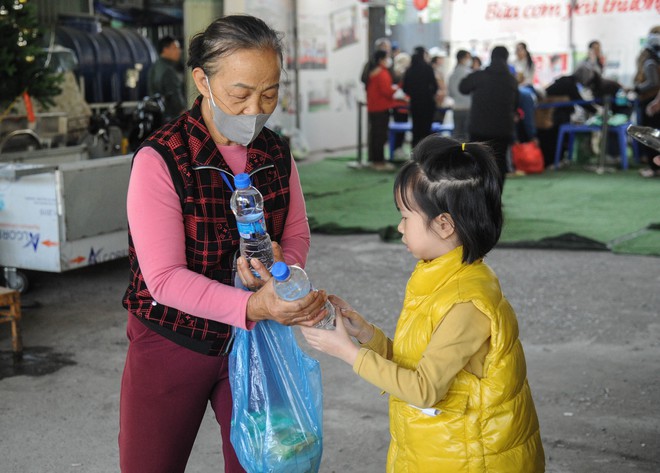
(499, 103)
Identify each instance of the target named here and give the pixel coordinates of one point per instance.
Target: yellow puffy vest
(484, 425)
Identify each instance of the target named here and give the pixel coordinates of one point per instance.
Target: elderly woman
(182, 243)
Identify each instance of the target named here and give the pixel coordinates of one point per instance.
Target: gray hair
(229, 34)
(382, 44)
(585, 73)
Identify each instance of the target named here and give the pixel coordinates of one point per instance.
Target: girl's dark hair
(445, 176)
(229, 34)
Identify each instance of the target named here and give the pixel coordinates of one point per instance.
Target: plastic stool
(571, 129)
(394, 129)
(10, 311)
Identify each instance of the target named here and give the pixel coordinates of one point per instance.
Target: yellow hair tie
(462, 146)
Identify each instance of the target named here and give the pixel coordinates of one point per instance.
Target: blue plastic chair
(571, 129)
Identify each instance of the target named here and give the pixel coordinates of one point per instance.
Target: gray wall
(411, 35)
(47, 10)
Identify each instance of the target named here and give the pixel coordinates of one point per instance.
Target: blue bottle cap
(280, 271)
(242, 180)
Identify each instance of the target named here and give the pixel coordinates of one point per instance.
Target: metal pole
(377, 28)
(296, 69)
(603, 135)
(571, 43)
(359, 137)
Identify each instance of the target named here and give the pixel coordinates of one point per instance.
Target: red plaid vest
(210, 226)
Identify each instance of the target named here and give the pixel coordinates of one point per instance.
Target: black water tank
(104, 56)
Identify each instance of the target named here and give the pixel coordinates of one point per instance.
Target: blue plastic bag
(277, 415)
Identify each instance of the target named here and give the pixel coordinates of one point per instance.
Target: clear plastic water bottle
(291, 283)
(247, 203)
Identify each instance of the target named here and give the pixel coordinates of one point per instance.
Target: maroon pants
(164, 393)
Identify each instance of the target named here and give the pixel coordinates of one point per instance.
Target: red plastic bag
(527, 157)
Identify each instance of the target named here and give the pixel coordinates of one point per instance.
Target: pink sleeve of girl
(156, 222)
(296, 236)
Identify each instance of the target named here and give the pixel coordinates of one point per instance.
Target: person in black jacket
(420, 85)
(494, 92)
(566, 87)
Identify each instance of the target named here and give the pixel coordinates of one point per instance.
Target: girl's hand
(356, 325)
(336, 342)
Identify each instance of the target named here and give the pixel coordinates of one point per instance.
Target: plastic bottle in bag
(291, 283)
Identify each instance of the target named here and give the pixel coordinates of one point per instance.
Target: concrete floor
(589, 323)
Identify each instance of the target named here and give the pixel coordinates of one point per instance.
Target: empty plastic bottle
(247, 203)
(646, 135)
(291, 283)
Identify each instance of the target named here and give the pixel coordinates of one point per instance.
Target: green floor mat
(572, 208)
(345, 200)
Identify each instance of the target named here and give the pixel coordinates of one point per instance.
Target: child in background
(455, 371)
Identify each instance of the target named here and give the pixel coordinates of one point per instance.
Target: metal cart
(60, 211)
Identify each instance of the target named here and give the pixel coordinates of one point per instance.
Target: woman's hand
(266, 304)
(336, 342)
(356, 325)
(248, 278)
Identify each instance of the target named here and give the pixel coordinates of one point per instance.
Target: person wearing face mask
(379, 103)
(183, 241)
(381, 44)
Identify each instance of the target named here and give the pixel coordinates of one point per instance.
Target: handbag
(527, 157)
(277, 405)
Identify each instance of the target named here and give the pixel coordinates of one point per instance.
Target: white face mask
(242, 129)
(388, 62)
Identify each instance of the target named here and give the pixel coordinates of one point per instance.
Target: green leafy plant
(22, 57)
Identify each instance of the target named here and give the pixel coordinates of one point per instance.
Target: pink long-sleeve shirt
(156, 221)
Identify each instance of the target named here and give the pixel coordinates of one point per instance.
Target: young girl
(455, 371)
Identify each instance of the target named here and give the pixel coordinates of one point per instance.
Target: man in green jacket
(164, 79)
